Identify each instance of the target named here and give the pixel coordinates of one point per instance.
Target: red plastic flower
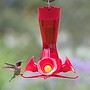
(50, 65)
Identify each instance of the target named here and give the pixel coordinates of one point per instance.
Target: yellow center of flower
(48, 68)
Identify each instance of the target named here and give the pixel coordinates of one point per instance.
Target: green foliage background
(20, 40)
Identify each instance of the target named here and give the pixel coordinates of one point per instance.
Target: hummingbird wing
(9, 67)
(10, 64)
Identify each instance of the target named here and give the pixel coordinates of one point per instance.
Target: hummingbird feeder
(49, 65)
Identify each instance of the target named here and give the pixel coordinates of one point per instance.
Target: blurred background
(20, 39)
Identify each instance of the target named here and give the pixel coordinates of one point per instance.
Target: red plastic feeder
(49, 65)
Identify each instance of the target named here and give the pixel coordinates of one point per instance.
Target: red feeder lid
(48, 13)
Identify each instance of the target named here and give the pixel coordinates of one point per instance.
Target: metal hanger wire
(48, 3)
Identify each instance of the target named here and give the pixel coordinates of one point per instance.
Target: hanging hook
(48, 1)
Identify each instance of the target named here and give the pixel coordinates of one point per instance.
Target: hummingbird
(15, 68)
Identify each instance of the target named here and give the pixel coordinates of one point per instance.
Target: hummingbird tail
(12, 78)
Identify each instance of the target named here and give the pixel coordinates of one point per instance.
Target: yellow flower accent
(47, 68)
